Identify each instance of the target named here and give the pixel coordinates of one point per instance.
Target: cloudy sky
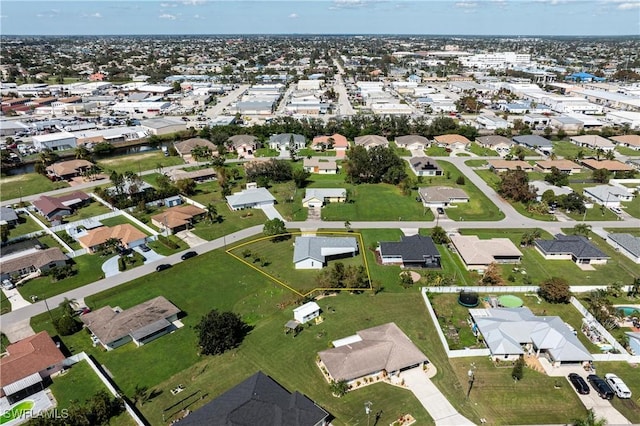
(448, 17)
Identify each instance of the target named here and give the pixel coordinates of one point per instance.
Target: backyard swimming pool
(628, 310)
(16, 411)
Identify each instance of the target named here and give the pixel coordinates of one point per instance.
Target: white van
(618, 386)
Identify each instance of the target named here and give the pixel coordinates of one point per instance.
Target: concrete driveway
(602, 408)
(432, 399)
(150, 256)
(110, 267)
(190, 238)
(271, 212)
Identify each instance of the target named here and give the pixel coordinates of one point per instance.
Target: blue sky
(463, 17)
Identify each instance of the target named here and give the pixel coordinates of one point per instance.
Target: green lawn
(630, 408)
(74, 244)
(436, 151)
(25, 225)
(400, 152)
(313, 153)
(480, 151)
(90, 210)
(619, 268)
(275, 259)
(27, 184)
(632, 207)
(566, 149)
(476, 163)
(4, 342)
(163, 250)
(266, 152)
(627, 151)
(88, 269)
(231, 222)
(5, 305)
(138, 162)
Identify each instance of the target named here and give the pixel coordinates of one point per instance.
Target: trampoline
(510, 301)
(468, 299)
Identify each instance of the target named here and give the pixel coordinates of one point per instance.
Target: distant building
(412, 142)
(54, 141)
(452, 141)
(478, 254)
(128, 235)
(32, 261)
(628, 141)
(286, 141)
(250, 198)
(163, 126)
(627, 244)
(320, 165)
(55, 208)
(177, 218)
(185, 148)
(318, 197)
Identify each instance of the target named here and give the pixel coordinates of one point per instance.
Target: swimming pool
(16, 411)
(628, 310)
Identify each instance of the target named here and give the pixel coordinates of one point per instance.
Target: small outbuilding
(306, 312)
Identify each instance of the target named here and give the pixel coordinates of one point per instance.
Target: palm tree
(82, 153)
(339, 388)
(211, 213)
(582, 229)
(590, 420)
(347, 225)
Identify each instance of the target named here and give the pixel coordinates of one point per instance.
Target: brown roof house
(452, 141)
(68, 169)
(478, 254)
(441, 196)
(33, 261)
(128, 235)
(593, 142)
(184, 148)
(498, 143)
(336, 142)
(320, 165)
(565, 166)
(412, 142)
(27, 367)
(177, 218)
(629, 141)
(611, 165)
(376, 353)
(243, 145)
(505, 165)
(113, 327)
(55, 208)
(369, 141)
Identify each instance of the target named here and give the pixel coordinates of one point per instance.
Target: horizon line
(325, 35)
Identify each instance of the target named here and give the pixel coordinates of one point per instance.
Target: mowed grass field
(213, 280)
(14, 187)
(138, 162)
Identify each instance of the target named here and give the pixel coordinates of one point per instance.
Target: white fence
(82, 356)
(594, 323)
(484, 289)
(194, 203)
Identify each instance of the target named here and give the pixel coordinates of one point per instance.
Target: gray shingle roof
(285, 138)
(628, 242)
(318, 247)
(412, 249)
(423, 163)
(7, 214)
(259, 400)
(533, 141)
(576, 245)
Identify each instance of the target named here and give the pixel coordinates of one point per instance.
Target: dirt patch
(14, 178)
(415, 276)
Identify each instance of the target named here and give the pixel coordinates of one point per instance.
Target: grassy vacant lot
(27, 184)
(88, 269)
(476, 163)
(138, 162)
(266, 152)
(306, 152)
(275, 259)
(619, 268)
(436, 151)
(163, 250)
(566, 149)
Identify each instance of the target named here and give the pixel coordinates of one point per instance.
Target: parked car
(144, 247)
(600, 386)
(188, 255)
(578, 382)
(618, 386)
(7, 284)
(440, 210)
(616, 210)
(162, 267)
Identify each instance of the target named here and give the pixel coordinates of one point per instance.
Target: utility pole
(367, 410)
(471, 375)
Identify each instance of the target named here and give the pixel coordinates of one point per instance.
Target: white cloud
(168, 4)
(196, 16)
(348, 4)
(53, 13)
(629, 6)
(193, 2)
(167, 16)
(294, 16)
(96, 15)
(466, 4)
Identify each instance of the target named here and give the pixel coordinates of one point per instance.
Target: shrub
(555, 290)
(66, 326)
(122, 265)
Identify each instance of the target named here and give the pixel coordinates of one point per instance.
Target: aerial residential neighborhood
(275, 228)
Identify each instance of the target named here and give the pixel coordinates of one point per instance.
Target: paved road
(344, 105)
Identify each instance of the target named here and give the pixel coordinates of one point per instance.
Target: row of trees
(341, 276)
(378, 164)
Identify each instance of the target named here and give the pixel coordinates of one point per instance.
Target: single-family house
(177, 218)
(259, 400)
(513, 332)
(200, 175)
(415, 251)
(128, 235)
(424, 166)
(28, 365)
(565, 166)
(287, 141)
(243, 145)
(534, 142)
(574, 247)
(628, 141)
(250, 198)
(499, 166)
(141, 323)
(478, 254)
(185, 148)
(452, 142)
(35, 260)
(442, 196)
(8, 216)
(593, 142)
(66, 170)
(542, 186)
(412, 142)
(306, 312)
(499, 144)
(611, 165)
(335, 142)
(315, 252)
(55, 208)
(320, 165)
(608, 195)
(375, 352)
(369, 141)
(318, 197)
(627, 244)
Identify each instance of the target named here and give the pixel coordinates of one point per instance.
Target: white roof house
(312, 252)
(306, 312)
(317, 197)
(250, 198)
(608, 195)
(509, 332)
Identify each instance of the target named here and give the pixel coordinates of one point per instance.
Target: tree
(4, 232)
(274, 227)
(339, 388)
(117, 179)
(82, 153)
(300, 177)
(555, 290)
(601, 175)
(217, 161)
(140, 394)
(528, 238)
(186, 186)
(460, 180)
(201, 152)
(518, 369)
(589, 420)
(406, 280)
(439, 235)
(557, 177)
(492, 275)
(514, 185)
(582, 229)
(220, 331)
(347, 225)
(211, 213)
(66, 325)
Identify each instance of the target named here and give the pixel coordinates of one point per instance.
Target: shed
(173, 201)
(306, 312)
